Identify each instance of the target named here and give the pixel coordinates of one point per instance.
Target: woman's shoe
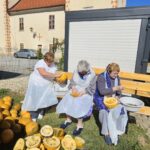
(65, 125)
(40, 116)
(107, 139)
(34, 119)
(77, 131)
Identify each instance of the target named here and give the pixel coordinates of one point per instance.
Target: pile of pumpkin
(13, 122)
(16, 124)
(49, 139)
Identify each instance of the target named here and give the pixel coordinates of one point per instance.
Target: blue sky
(138, 3)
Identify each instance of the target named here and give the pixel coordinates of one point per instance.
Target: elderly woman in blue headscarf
(83, 82)
(114, 120)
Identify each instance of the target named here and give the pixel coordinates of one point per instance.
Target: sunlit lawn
(135, 139)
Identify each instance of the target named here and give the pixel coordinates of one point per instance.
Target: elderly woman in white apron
(84, 81)
(40, 92)
(113, 121)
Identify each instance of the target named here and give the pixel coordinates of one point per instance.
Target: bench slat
(142, 93)
(127, 75)
(144, 110)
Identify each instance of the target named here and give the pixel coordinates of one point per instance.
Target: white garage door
(103, 42)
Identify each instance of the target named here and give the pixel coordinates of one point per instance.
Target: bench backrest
(134, 83)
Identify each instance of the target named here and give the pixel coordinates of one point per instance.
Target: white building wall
(39, 22)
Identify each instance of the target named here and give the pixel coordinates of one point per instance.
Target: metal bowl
(131, 104)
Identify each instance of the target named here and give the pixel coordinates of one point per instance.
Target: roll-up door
(103, 42)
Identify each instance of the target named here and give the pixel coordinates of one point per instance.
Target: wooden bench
(133, 83)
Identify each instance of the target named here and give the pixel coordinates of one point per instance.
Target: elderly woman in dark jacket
(113, 120)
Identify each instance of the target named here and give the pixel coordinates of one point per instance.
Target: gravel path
(18, 84)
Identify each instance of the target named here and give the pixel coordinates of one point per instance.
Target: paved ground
(17, 65)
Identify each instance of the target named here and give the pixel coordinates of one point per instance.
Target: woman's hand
(118, 88)
(82, 93)
(58, 74)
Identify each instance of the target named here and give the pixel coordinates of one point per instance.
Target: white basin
(131, 104)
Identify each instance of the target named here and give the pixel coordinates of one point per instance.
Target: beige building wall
(92, 4)
(37, 24)
(2, 27)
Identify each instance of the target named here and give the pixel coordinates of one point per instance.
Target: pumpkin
(1, 102)
(68, 143)
(8, 103)
(20, 144)
(1, 116)
(46, 131)
(7, 99)
(110, 102)
(14, 115)
(42, 147)
(11, 120)
(62, 78)
(13, 111)
(33, 148)
(75, 93)
(17, 107)
(79, 142)
(51, 143)
(4, 124)
(7, 136)
(58, 132)
(5, 113)
(25, 114)
(24, 121)
(16, 128)
(5, 106)
(33, 141)
(31, 128)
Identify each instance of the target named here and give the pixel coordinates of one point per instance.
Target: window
(21, 46)
(51, 22)
(21, 24)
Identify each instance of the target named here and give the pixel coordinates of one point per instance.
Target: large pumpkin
(46, 131)
(58, 132)
(68, 143)
(110, 102)
(1, 116)
(11, 120)
(31, 128)
(24, 121)
(33, 141)
(7, 99)
(62, 78)
(51, 143)
(25, 114)
(17, 107)
(75, 93)
(20, 144)
(5, 106)
(7, 136)
(79, 142)
(4, 124)
(5, 113)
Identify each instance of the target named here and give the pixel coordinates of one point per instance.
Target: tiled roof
(34, 4)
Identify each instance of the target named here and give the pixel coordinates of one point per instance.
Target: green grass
(135, 139)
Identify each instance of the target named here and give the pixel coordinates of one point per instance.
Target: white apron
(77, 107)
(40, 92)
(117, 123)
